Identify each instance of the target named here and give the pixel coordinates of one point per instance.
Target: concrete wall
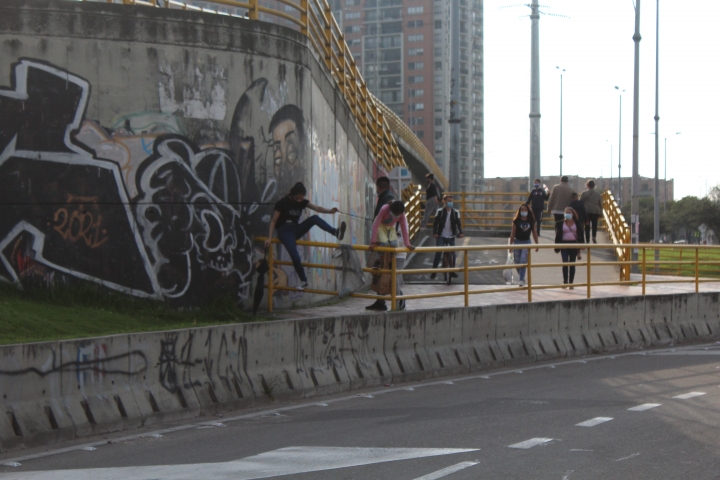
(143, 149)
(65, 389)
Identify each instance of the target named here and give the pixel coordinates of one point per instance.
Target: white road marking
(447, 471)
(644, 406)
(285, 461)
(628, 457)
(593, 421)
(533, 442)
(685, 396)
(580, 450)
(567, 474)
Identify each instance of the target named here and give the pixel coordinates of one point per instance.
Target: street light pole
(534, 93)
(619, 190)
(635, 191)
(561, 115)
(656, 192)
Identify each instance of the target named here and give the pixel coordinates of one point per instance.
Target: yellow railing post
(271, 271)
(253, 13)
(643, 271)
(697, 270)
(466, 267)
(304, 17)
(680, 266)
(393, 283)
(529, 275)
(589, 281)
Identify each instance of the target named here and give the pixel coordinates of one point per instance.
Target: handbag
(508, 272)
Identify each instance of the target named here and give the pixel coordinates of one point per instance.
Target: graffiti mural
(161, 204)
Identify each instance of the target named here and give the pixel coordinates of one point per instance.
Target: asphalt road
(470, 427)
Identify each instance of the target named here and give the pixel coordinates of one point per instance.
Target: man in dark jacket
(536, 202)
(447, 226)
(384, 196)
(579, 206)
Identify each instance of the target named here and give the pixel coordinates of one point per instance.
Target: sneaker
(340, 234)
(302, 286)
(522, 283)
(432, 276)
(571, 288)
(453, 275)
(379, 305)
(594, 240)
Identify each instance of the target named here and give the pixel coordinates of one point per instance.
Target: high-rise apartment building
(424, 60)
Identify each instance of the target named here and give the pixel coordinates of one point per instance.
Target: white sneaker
(522, 283)
(302, 286)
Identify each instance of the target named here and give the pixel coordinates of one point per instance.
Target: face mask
(449, 204)
(536, 185)
(568, 216)
(523, 214)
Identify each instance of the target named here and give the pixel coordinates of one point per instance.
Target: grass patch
(81, 310)
(685, 255)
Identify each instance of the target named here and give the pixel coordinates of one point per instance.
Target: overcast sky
(594, 45)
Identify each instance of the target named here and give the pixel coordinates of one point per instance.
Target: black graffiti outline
(82, 366)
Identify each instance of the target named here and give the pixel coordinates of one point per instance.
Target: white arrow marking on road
(644, 406)
(593, 421)
(447, 471)
(285, 461)
(533, 442)
(685, 396)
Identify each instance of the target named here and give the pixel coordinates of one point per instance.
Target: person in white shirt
(447, 226)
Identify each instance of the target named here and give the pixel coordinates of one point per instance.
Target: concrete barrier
(60, 390)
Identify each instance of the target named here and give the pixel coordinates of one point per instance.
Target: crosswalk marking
(593, 421)
(685, 396)
(533, 442)
(644, 406)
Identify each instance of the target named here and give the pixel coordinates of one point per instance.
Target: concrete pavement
(652, 414)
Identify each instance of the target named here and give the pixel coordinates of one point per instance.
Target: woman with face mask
(569, 231)
(523, 227)
(287, 218)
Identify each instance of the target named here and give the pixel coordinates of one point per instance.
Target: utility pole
(619, 190)
(635, 192)
(562, 70)
(534, 94)
(656, 192)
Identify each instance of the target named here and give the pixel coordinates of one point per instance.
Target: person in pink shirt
(384, 234)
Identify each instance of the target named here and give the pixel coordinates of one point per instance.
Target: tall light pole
(534, 93)
(608, 141)
(561, 112)
(619, 190)
(656, 192)
(635, 191)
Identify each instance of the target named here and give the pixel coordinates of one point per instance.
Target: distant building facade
(424, 60)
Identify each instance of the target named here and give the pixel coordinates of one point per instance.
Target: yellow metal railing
(645, 262)
(618, 230)
(314, 19)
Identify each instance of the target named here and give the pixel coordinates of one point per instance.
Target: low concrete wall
(60, 390)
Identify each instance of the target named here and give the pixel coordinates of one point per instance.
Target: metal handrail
(643, 263)
(315, 20)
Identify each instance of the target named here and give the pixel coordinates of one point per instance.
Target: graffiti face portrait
(287, 130)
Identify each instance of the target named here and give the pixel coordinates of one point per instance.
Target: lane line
(628, 457)
(533, 442)
(644, 406)
(685, 396)
(447, 471)
(593, 421)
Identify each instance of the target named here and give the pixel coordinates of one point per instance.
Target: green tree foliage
(681, 218)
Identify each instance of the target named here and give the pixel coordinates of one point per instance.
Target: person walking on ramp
(594, 209)
(523, 227)
(560, 198)
(287, 215)
(447, 226)
(536, 202)
(569, 231)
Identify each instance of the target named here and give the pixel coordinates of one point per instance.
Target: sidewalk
(541, 276)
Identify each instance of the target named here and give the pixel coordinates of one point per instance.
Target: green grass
(686, 254)
(84, 311)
